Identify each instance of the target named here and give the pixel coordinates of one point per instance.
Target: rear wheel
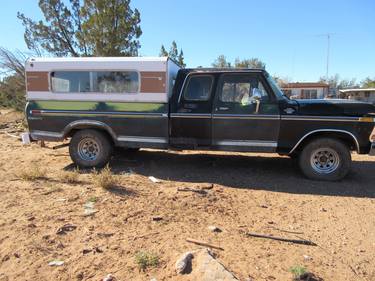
(325, 159)
(90, 149)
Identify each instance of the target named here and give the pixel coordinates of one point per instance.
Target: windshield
(275, 87)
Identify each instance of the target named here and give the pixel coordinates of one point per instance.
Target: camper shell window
(95, 81)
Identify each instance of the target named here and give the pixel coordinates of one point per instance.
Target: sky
(289, 36)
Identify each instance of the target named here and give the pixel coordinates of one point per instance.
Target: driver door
(245, 114)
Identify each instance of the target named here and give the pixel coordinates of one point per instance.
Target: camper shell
(125, 97)
(102, 103)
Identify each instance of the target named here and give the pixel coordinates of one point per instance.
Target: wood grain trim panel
(153, 82)
(37, 81)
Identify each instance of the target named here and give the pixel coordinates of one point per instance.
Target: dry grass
(32, 173)
(105, 178)
(69, 176)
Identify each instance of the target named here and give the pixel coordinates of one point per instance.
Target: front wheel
(90, 149)
(325, 159)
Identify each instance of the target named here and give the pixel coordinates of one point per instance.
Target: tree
(221, 62)
(76, 28)
(335, 82)
(180, 59)
(12, 86)
(110, 28)
(163, 52)
(173, 53)
(368, 83)
(249, 63)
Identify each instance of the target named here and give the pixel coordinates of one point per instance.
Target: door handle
(223, 108)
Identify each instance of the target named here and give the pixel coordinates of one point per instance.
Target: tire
(325, 159)
(90, 149)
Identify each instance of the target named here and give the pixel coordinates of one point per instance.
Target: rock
(214, 228)
(208, 186)
(109, 277)
(89, 209)
(65, 228)
(154, 180)
(207, 268)
(157, 218)
(86, 251)
(183, 262)
(55, 263)
(307, 258)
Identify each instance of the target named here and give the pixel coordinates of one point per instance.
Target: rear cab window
(198, 88)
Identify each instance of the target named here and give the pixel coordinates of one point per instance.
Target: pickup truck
(102, 103)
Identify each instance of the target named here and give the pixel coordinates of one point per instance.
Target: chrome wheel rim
(88, 149)
(325, 160)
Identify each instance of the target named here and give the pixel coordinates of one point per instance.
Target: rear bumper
(372, 150)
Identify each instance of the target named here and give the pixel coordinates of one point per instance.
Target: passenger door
(245, 115)
(191, 119)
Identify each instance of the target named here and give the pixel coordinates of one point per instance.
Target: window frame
(186, 84)
(91, 82)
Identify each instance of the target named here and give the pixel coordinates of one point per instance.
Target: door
(191, 119)
(245, 115)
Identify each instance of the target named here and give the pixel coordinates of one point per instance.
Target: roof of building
(305, 85)
(358, 90)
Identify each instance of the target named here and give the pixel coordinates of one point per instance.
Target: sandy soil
(252, 193)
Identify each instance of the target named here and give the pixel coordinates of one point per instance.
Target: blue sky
(286, 35)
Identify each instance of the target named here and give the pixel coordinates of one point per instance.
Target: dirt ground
(256, 193)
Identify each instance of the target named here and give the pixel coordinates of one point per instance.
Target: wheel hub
(325, 160)
(88, 149)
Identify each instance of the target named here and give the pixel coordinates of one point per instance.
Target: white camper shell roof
(155, 77)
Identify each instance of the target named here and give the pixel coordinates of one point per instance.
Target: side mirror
(257, 94)
(256, 97)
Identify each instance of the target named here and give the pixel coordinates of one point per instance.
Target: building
(306, 90)
(366, 95)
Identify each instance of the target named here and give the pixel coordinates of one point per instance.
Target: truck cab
(224, 110)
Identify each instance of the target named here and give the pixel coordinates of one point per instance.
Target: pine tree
(173, 54)
(91, 28)
(163, 52)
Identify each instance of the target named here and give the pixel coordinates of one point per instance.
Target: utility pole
(328, 47)
(328, 35)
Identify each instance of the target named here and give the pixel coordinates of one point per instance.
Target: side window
(115, 82)
(95, 81)
(198, 88)
(70, 81)
(239, 89)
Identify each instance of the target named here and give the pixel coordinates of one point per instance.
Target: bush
(297, 271)
(146, 259)
(12, 92)
(104, 178)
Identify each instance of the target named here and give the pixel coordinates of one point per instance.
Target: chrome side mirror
(256, 97)
(257, 94)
